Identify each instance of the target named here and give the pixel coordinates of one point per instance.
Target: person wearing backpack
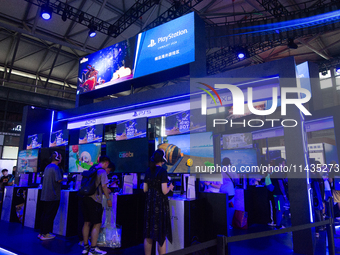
(92, 206)
(50, 196)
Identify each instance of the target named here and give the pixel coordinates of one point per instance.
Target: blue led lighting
(318, 20)
(92, 34)
(240, 55)
(46, 16)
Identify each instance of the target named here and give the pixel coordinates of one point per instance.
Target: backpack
(88, 182)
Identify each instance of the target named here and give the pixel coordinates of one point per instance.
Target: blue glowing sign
(166, 46)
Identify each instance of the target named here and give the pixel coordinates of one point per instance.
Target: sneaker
(86, 249)
(47, 237)
(96, 251)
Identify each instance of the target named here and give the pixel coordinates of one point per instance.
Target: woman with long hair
(157, 225)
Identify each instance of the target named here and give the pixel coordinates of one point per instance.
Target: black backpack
(88, 182)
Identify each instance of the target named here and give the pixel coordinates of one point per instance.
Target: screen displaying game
(59, 138)
(34, 141)
(28, 160)
(108, 66)
(82, 157)
(131, 129)
(235, 141)
(91, 134)
(189, 121)
(45, 157)
(198, 147)
(129, 156)
(241, 158)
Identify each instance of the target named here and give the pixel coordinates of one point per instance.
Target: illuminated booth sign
(158, 49)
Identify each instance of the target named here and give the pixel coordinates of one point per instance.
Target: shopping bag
(110, 234)
(240, 220)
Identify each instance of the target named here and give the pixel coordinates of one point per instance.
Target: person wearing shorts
(93, 210)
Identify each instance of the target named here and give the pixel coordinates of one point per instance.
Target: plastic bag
(110, 234)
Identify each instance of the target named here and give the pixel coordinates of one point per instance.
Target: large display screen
(185, 122)
(82, 157)
(34, 141)
(59, 137)
(161, 48)
(28, 160)
(129, 156)
(91, 134)
(166, 46)
(45, 157)
(235, 141)
(241, 158)
(178, 149)
(130, 129)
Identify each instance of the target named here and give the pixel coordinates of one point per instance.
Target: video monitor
(45, 157)
(237, 141)
(34, 141)
(242, 159)
(131, 129)
(129, 156)
(59, 138)
(189, 121)
(180, 148)
(28, 160)
(83, 156)
(91, 134)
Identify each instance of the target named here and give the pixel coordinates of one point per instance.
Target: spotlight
(291, 44)
(324, 72)
(64, 15)
(92, 32)
(46, 12)
(337, 69)
(81, 17)
(241, 53)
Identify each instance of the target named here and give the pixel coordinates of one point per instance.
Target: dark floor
(23, 241)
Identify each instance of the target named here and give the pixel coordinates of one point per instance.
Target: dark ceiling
(42, 56)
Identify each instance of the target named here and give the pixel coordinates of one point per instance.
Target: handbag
(240, 219)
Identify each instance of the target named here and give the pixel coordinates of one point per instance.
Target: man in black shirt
(6, 179)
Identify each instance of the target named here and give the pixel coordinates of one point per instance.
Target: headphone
(57, 157)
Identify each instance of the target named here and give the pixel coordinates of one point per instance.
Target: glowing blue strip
(330, 17)
(310, 206)
(3, 251)
(51, 127)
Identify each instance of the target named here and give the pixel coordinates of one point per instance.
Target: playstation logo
(152, 43)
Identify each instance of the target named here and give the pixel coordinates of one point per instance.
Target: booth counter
(13, 204)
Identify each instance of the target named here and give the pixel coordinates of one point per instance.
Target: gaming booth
(197, 123)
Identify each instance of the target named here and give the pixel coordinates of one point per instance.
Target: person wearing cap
(157, 224)
(50, 196)
(92, 207)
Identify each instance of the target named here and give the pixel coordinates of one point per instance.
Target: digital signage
(131, 129)
(164, 47)
(91, 134)
(59, 137)
(185, 122)
(234, 141)
(34, 141)
(82, 157)
(28, 160)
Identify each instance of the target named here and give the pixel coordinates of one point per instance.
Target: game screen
(108, 66)
(45, 157)
(34, 141)
(82, 157)
(198, 147)
(28, 160)
(131, 129)
(91, 134)
(129, 156)
(185, 122)
(240, 158)
(59, 137)
(235, 141)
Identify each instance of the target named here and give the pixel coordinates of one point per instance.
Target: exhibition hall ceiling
(42, 56)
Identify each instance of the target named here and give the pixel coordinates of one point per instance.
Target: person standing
(50, 196)
(93, 209)
(157, 225)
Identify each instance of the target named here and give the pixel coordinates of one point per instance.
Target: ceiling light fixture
(92, 32)
(291, 44)
(46, 12)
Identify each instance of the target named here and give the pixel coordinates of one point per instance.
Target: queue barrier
(222, 241)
